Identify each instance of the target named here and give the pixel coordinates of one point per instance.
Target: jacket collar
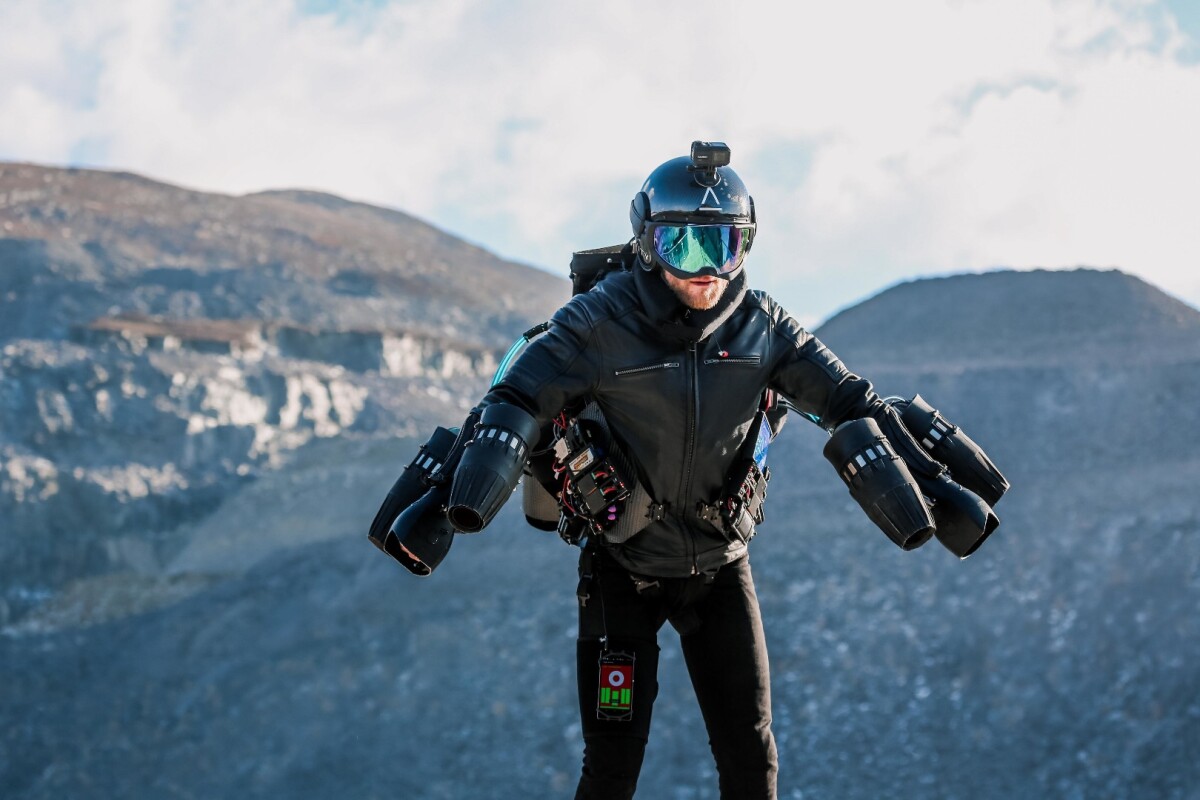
(676, 321)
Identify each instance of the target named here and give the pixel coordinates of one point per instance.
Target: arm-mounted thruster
(418, 534)
(879, 480)
(963, 519)
(947, 443)
(962, 499)
(490, 467)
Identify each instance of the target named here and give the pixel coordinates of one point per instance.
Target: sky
(882, 141)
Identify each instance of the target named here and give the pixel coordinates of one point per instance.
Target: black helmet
(693, 215)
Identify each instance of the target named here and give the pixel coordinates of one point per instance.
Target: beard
(694, 294)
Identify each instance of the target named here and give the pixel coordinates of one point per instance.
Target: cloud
(881, 139)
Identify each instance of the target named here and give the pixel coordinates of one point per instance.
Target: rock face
(190, 608)
(161, 347)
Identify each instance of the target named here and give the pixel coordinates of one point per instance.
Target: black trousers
(723, 645)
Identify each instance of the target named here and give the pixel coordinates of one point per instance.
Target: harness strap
(586, 563)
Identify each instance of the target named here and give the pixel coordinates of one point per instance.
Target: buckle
(709, 513)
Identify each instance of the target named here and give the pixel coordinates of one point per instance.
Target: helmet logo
(716, 204)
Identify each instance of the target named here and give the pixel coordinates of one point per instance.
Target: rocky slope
(161, 347)
(259, 647)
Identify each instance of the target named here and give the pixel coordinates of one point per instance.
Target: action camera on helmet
(491, 466)
(710, 155)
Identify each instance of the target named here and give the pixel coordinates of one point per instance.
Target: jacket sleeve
(819, 385)
(556, 368)
(813, 378)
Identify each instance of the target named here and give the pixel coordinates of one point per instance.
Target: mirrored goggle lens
(692, 248)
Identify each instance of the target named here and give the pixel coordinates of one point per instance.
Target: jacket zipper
(634, 370)
(732, 360)
(693, 421)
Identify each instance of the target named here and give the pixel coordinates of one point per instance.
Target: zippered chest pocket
(643, 369)
(752, 359)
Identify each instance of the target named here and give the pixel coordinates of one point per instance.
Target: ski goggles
(693, 249)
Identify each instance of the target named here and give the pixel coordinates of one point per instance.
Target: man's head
(694, 220)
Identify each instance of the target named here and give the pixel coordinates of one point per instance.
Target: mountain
(246, 641)
(82, 244)
(1017, 317)
(1096, 365)
(160, 348)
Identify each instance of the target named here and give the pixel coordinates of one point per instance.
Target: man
(676, 354)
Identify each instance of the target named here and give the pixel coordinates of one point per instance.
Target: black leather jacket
(680, 390)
